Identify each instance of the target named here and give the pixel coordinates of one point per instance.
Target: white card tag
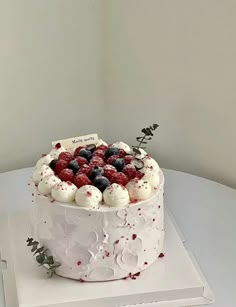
(78, 141)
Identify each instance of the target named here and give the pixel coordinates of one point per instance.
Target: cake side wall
(100, 245)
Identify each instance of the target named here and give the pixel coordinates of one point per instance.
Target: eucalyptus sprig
(42, 256)
(147, 136)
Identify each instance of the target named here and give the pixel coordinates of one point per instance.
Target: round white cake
(106, 225)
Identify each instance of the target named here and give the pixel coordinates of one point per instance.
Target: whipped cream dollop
(44, 160)
(116, 196)
(88, 196)
(150, 163)
(152, 177)
(142, 154)
(64, 192)
(54, 153)
(139, 189)
(122, 145)
(47, 183)
(41, 172)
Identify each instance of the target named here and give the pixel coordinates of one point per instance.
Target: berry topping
(91, 147)
(97, 170)
(111, 151)
(60, 165)
(52, 164)
(130, 171)
(85, 169)
(119, 178)
(128, 159)
(58, 145)
(161, 255)
(134, 236)
(137, 163)
(139, 175)
(77, 150)
(119, 164)
(99, 153)
(109, 171)
(86, 154)
(66, 174)
(65, 156)
(81, 161)
(101, 183)
(122, 153)
(81, 180)
(112, 158)
(74, 166)
(102, 147)
(96, 161)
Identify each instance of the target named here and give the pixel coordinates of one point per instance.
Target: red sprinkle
(79, 263)
(145, 263)
(32, 194)
(43, 155)
(117, 241)
(107, 254)
(134, 236)
(89, 193)
(159, 207)
(58, 145)
(81, 280)
(153, 220)
(161, 255)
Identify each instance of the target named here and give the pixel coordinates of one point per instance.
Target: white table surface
(205, 212)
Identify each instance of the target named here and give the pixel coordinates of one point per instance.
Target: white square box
(174, 280)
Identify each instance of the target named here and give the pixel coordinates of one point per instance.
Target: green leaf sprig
(147, 136)
(42, 256)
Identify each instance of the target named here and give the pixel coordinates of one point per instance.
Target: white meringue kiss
(47, 183)
(88, 196)
(116, 196)
(139, 189)
(41, 172)
(64, 192)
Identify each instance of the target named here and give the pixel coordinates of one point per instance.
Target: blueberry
(111, 151)
(91, 147)
(119, 164)
(74, 166)
(97, 170)
(52, 164)
(85, 153)
(101, 183)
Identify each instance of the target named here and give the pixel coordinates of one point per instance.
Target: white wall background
(174, 63)
(50, 75)
(115, 66)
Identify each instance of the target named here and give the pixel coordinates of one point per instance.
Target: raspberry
(81, 160)
(67, 156)
(109, 171)
(139, 175)
(77, 150)
(128, 159)
(99, 153)
(96, 161)
(120, 178)
(122, 153)
(112, 158)
(81, 180)
(60, 165)
(85, 169)
(130, 171)
(102, 147)
(66, 174)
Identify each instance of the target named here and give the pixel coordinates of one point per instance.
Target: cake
(97, 209)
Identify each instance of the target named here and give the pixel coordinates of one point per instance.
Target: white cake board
(174, 280)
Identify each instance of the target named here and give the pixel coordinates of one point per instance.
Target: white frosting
(64, 192)
(101, 142)
(88, 196)
(54, 153)
(47, 183)
(149, 162)
(142, 154)
(152, 177)
(44, 160)
(116, 196)
(101, 244)
(139, 189)
(122, 145)
(41, 172)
